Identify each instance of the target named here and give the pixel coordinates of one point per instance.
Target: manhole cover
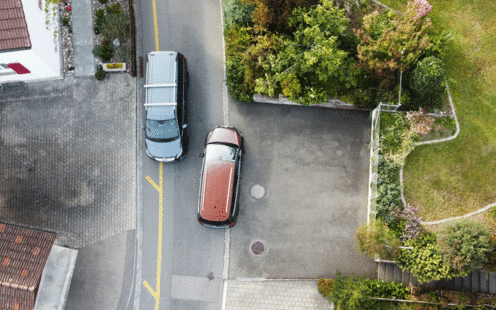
(257, 191)
(257, 248)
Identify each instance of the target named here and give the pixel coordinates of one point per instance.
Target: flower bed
(114, 67)
(108, 49)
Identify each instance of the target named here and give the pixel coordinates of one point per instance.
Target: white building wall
(43, 59)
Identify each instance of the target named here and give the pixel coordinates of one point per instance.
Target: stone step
(397, 274)
(405, 278)
(389, 272)
(477, 281)
(381, 271)
(492, 283)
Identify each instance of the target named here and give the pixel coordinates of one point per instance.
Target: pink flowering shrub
(423, 8)
(408, 215)
(420, 122)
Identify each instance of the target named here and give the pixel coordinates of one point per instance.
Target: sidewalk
(82, 38)
(274, 294)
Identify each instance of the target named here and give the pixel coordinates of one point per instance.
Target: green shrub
(103, 52)
(122, 53)
(392, 42)
(370, 287)
(350, 294)
(427, 83)
(492, 212)
(114, 8)
(274, 15)
(103, 1)
(238, 40)
(238, 12)
(100, 14)
(382, 289)
(448, 123)
(425, 261)
(235, 81)
(441, 41)
(392, 128)
(409, 221)
(325, 286)
(100, 74)
(65, 21)
(99, 21)
(397, 137)
(389, 171)
(388, 194)
(490, 264)
(353, 293)
(309, 75)
(349, 42)
(375, 239)
(465, 245)
(115, 26)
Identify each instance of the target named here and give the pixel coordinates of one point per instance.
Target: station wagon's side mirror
(202, 155)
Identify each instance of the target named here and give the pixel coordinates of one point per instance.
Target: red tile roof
(23, 255)
(13, 28)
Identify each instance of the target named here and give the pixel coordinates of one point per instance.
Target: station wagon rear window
(220, 152)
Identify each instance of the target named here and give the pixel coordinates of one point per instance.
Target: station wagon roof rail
(160, 104)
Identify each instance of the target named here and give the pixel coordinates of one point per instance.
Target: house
(29, 41)
(34, 274)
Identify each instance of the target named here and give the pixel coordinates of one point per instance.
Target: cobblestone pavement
(274, 294)
(68, 157)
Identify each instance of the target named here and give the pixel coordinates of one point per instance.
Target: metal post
(399, 98)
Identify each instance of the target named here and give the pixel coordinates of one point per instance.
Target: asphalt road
(186, 272)
(312, 162)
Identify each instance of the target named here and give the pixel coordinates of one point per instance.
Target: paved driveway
(313, 165)
(68, 158)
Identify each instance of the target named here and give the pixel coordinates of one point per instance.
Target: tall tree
(310, 67)
(388, 46)
(274, 15)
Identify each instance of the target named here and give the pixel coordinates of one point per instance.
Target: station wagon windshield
(221, 152)
(162, 131)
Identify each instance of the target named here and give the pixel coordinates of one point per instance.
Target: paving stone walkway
(274, 294)
(68, 157)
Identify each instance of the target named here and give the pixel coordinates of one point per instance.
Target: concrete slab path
(274, 294)
(82, 38)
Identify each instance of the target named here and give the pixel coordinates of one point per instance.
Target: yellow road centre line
(155, 24)
(160, 189)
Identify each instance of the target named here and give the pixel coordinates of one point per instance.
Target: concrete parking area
(68, 157)
(313, 166)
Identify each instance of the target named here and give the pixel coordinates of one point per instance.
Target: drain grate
(257, 248)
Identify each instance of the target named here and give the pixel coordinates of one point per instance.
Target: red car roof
(217, 190)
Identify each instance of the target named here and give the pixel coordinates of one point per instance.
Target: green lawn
(456, 177)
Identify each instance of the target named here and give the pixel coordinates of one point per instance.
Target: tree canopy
(309, 67)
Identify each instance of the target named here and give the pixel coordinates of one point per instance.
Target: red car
(219, 183)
